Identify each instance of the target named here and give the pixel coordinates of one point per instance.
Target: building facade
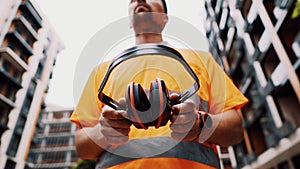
(259, 44)
(54, 146)
(28, 50)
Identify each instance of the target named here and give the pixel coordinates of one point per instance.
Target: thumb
(174, 96)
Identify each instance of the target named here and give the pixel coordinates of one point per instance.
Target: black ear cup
(144, 112)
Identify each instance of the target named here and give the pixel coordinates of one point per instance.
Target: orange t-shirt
(216, 90)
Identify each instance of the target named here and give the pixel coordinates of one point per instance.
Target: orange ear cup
(138, 104)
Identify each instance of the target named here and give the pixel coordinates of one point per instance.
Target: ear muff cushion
(140, 98)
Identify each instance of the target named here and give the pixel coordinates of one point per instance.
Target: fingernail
(114, 146)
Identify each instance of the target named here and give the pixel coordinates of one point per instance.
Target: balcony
(289, 35)
(12, 68)
(287, 147)
(269, 61)
(269, 6)
(31, 15)
(15, 42)
(254, 109)
(53, 148)
(3, 128)
(55, 165)
(9, 87)
(24, 28)
(235, 56)
(59, 134)
(31, 88)
(244, 6)
(4, 116)
(296, 46)
(10, 55)
(7, 101)
(287, 104)
(284, 4)
(12, 81)
(15, 36)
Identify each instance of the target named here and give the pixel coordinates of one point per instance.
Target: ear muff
(144, 112)
(159, 99)
(140, 50)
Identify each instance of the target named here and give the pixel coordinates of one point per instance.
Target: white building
(53, 146)
(259, 43)
(28, 50)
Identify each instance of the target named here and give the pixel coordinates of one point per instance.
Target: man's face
(140, 6)
(147, 16)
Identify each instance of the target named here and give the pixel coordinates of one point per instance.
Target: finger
(192, 135)
(122, 101)
(185, 136)
(178, 136)
(122, 124)
(109, 113)
(117, 140)
(123, 113)
(174, 96)
(184, 118)
(186, 107)
(182, 128)
(113, 132)
(175, 110)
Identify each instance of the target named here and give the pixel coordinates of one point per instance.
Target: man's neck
(148, 38)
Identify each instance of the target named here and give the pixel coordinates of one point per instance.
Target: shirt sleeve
(88, 109)
(224, 95)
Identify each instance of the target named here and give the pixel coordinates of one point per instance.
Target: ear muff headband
(147, 49)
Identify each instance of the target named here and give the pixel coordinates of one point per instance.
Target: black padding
(140, 98)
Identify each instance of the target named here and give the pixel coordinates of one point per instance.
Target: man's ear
(165, 20)
(130, 21)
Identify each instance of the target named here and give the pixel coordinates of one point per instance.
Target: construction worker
(108, 135)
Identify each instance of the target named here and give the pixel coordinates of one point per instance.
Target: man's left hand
(184, 121)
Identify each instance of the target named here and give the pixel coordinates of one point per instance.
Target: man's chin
(142, 17)
(142, 14)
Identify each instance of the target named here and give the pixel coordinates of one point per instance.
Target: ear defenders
(151, 110)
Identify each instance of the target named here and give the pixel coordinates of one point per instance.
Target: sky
(77, 21)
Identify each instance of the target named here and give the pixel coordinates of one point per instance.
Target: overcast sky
(76, 21)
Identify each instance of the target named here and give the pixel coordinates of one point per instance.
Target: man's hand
(114, 125)
(184, 120)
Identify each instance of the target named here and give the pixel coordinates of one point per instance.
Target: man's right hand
(115, 127)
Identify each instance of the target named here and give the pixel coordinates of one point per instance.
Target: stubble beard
(145, 23)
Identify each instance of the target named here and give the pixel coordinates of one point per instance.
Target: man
(107, 135)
